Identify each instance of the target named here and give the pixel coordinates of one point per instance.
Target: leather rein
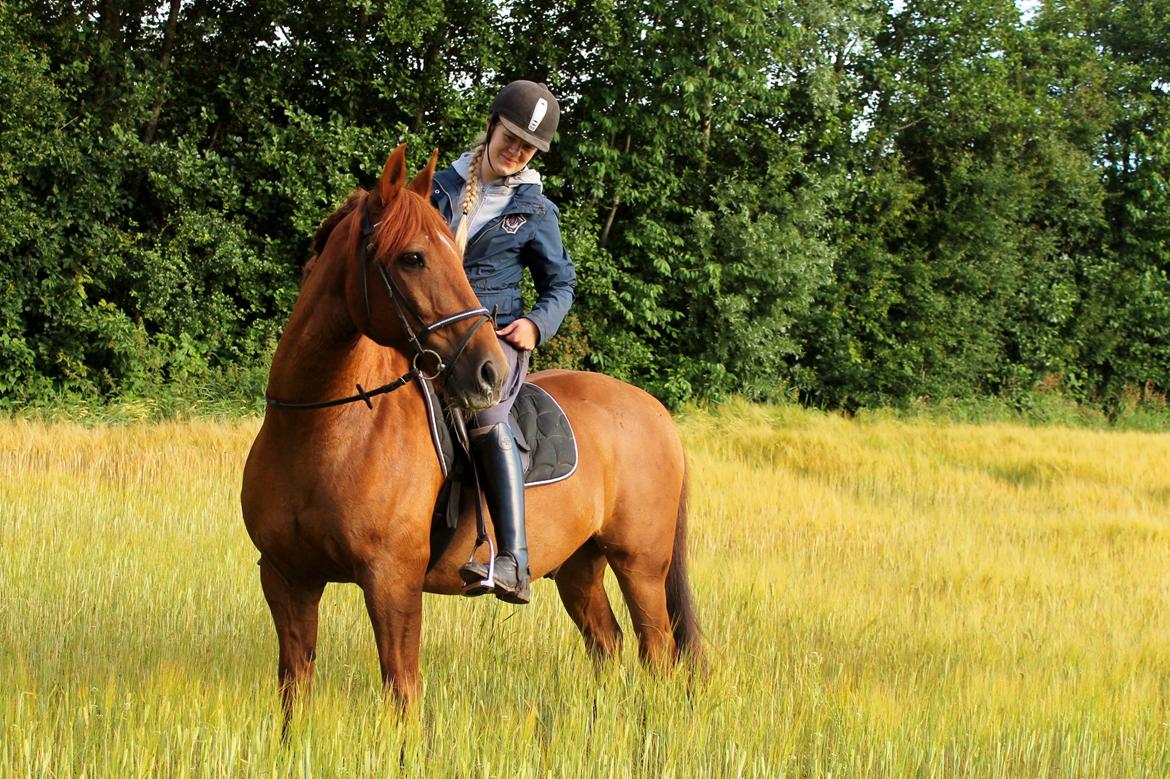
(419, 367)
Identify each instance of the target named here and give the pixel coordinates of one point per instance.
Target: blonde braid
(471, 191)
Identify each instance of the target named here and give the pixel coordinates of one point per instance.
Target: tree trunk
(434, 61)
(164, 63)
(613, 206)
(109, 26)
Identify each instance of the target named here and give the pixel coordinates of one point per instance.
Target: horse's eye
(412, 260)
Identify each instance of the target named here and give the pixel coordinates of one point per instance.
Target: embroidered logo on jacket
(513, 223)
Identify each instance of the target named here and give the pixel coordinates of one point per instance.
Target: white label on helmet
(538, 114)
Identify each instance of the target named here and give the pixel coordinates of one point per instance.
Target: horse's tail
(679, 605)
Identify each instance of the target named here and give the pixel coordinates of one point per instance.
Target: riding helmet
(529, 110)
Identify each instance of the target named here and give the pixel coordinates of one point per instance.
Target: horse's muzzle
(478, 380)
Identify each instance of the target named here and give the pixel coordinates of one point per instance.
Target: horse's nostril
(487, 374)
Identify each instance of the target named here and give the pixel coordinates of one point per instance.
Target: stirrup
(522, 592)
(473, 585)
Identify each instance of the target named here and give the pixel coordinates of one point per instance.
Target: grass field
(880, 598)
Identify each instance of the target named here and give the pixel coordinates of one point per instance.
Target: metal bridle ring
(440, 365)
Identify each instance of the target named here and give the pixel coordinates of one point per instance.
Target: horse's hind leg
(580, 581)
(294, 612)
(642, 577)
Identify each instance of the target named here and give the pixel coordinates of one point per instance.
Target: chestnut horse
(345, 493)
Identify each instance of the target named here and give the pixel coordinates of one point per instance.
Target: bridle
(422, 355)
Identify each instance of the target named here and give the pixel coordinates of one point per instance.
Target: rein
(422, 355)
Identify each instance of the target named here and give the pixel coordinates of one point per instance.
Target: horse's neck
(321, 354)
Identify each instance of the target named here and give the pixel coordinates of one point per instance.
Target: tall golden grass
(880, 598)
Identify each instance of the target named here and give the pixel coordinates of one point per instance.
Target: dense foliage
(853, 202)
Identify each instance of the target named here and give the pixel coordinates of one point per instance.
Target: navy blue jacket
(526, 235)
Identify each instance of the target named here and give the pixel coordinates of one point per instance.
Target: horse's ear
(394, 174)
(421, 184)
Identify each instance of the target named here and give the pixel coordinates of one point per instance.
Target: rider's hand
(521, 333)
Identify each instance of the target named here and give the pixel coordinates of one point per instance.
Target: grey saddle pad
(547, 447)
(543, 434)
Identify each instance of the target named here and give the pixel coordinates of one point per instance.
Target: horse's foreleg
(394, 602)
(581, 583)
(294, 612)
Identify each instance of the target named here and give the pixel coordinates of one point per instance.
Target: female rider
(495, 204)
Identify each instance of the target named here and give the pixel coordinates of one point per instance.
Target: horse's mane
(400, 220)
(321, 236)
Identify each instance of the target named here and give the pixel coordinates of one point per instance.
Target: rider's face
(507, 153)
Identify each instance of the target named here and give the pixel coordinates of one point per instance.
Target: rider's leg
(502, 479)
(497, 461)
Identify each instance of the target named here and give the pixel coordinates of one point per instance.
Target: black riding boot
(502, 479)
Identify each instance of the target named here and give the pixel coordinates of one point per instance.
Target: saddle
(548, 452)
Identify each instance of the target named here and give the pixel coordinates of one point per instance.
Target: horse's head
(411, 292)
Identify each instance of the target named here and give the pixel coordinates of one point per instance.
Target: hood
(526, 175)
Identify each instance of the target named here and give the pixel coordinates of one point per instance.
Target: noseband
(402, 307)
